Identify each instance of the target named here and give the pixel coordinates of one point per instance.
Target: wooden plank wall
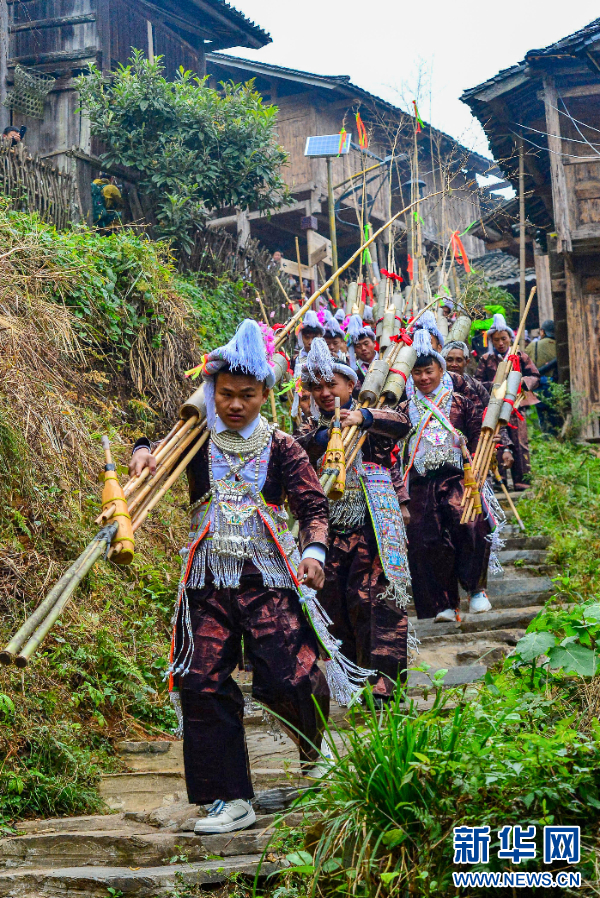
(43, 39)
(583, 315)
(296, 120)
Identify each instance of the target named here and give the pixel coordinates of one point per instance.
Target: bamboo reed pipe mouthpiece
(387, 327)
(335, 457)
(460, 330)
(500, 377)
(280, 366)
(194, 405)
(113, 495)
(374, 381)
(492, 413)
(395, 384)
(381, 297)
(351, 297)
(442, 323)
(513, 382)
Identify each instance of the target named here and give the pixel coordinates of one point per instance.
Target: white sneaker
(226, 817)
(479, 602)
(448, 615)
(323, 765)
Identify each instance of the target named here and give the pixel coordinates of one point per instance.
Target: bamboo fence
(34, 185)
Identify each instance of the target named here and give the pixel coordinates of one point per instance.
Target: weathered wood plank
(53, 23)
(559, 183)
(56, 56)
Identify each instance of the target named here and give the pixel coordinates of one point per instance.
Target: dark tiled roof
(258, 37)
(575, 44)
(500, 269)
(572, 45)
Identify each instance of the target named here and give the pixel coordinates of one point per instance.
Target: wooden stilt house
(547, 107)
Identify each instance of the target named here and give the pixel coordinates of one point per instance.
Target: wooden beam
(579, 90)
(57, 56)
(213, 15)
(169, 14)
(52, 23)
(117, 170)
(557, 172)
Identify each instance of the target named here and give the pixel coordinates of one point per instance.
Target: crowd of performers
(320, 615)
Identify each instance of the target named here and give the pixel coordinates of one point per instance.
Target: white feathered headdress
(501, 325)
(246, 353)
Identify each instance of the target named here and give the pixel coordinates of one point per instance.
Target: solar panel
(328, 145)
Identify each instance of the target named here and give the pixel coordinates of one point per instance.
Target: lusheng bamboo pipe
(23, 634)
(123, 547)
(163, 451)
(153, 500)
(507, 496)
(75, 575)
(487, 439)
(162, 471)
(285, 331)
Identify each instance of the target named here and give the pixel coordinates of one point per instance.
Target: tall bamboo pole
(522, 296)
(332, 231)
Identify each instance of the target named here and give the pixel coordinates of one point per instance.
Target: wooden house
(549, 105)
(310, 104)
(62, 37)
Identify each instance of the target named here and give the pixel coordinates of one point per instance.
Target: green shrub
(385, 813)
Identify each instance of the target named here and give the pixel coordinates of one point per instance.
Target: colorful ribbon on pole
(459, 251)
(363, 137)
(391, 276)
(420, 124)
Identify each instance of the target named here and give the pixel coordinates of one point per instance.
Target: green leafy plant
(196, 149)
(384, 815)
(568, 636)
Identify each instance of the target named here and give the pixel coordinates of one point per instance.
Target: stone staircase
(147, 848)
(468, 648)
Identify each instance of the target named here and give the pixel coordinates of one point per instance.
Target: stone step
(521, 541)
(92, 822)
(505, 619)
(503, 593)
(526, 556)
(162, 757)
(540, 587)
(456, 676)
(147, 882)
(141, 790)
(509, 600)
(98, 849)
(126, 848)
(457, 639)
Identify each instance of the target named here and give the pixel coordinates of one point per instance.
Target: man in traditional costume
(442, 552)
(362, 345)
(501, 339)
(310, 328)
(461, 383)
(366, 573)
(243, 578)
(457, 356)
(334, 335)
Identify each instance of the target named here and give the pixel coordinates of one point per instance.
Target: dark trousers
(521, 468)
(283, 650)
(373, 631)
(442, 552)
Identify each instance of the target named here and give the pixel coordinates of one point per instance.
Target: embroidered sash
(386, 516)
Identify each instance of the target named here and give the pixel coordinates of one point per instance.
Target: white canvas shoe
(479, 602)
(323, 765)
(226, 817)
(448, 615)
